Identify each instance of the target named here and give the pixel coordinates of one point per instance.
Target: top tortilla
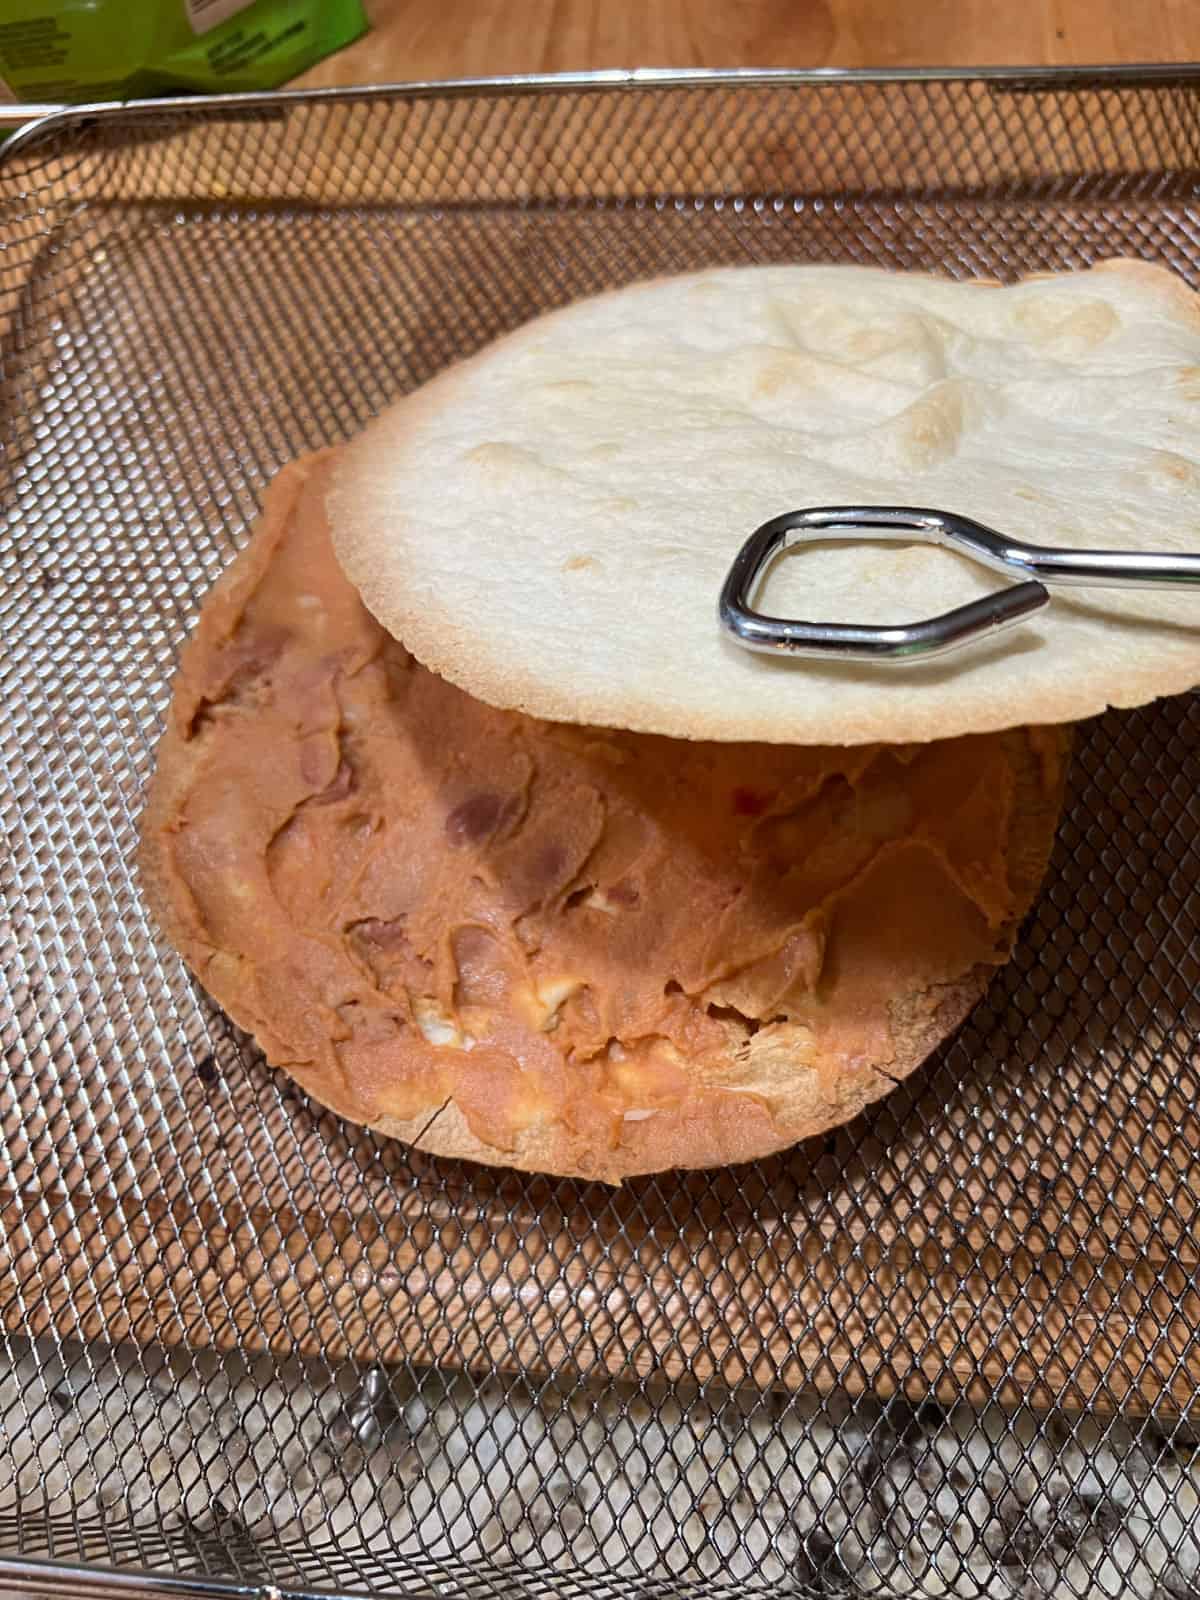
(548, 524)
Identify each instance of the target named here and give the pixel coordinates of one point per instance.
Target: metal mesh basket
(245, 1345)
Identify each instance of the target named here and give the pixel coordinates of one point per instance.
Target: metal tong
(1035, 565)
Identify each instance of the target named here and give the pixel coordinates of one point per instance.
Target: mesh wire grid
(189, 299)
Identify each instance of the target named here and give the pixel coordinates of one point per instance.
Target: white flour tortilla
(548, 524)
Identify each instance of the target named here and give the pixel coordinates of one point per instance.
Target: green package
(73, 50)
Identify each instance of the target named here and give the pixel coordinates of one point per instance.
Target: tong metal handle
(1036, 565)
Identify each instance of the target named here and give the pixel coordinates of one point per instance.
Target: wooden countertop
(460, 38)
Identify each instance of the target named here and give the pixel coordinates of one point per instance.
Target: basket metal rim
(66, 1577)
(33, 121)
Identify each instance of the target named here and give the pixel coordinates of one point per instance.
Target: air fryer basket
(245, 1345)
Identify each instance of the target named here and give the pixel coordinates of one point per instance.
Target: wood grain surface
(461, 38)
